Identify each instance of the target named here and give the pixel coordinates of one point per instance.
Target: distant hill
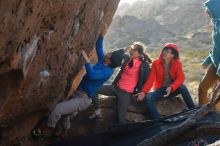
(155, 22)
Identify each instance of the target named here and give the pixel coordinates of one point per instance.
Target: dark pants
(158, 94)
(123, 100)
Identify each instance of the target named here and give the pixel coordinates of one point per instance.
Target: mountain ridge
(155, 23)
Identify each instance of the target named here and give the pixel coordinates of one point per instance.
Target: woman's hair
(147, 58)
(140, 48)
(175, 53)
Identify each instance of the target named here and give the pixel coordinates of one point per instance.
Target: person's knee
(183, 87)
(58, 109)
(149, 98)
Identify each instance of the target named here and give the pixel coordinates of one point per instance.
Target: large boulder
(40, 46)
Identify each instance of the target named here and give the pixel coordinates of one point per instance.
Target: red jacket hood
(156, 76)
(169, 45)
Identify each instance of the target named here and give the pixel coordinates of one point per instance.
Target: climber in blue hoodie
(212, 61)
(81, 99)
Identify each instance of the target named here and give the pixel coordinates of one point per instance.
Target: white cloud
(128, 1)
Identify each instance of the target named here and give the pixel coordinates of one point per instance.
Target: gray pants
(62, 111)
(123, 100)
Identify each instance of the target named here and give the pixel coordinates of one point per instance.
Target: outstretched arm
(99, 45)
(85, 56)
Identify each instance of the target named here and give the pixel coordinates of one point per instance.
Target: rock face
(40, 45)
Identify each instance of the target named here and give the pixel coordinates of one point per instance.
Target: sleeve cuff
(218, 71)
(207, 61)
(143, 91)
(87, 65)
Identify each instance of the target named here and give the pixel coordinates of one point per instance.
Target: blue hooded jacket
(214, 57)
(96, 74)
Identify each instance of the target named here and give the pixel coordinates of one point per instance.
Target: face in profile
(107, 58)
(134, 52)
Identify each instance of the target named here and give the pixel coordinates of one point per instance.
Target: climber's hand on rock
(85, 56)
(104, 30)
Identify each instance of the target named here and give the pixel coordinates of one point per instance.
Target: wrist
(87, 63)
(171, 89)
(143, 93)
